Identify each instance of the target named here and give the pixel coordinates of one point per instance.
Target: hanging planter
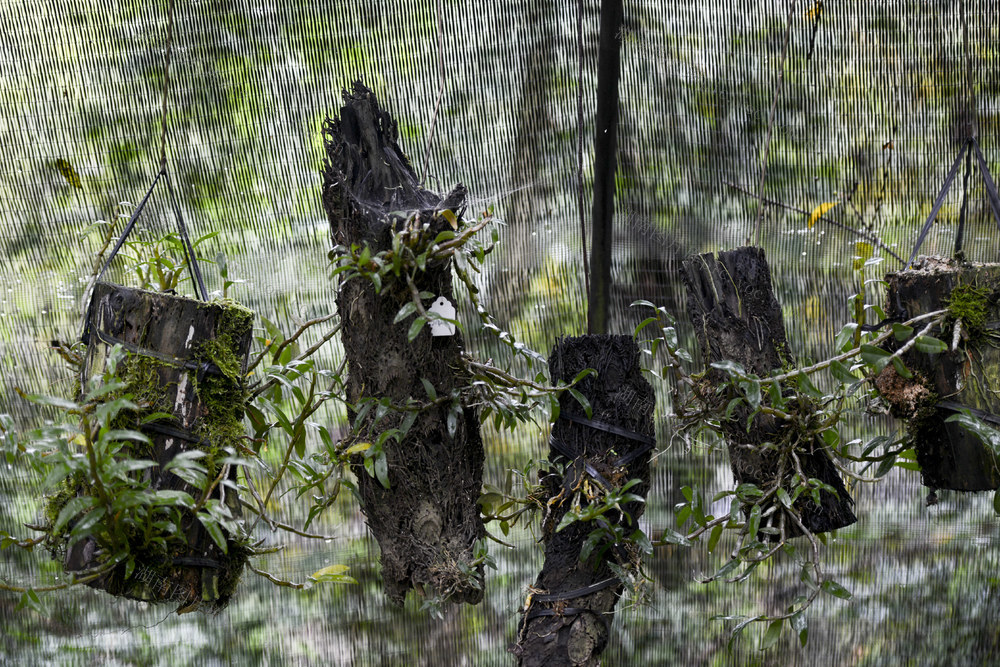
(954, 368)
(181, 364)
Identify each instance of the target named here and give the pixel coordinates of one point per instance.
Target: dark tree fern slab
(736, 317)
(568, 618)
(965, 376)
(428, 521)
(186, 358)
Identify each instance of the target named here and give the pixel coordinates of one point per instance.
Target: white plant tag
(442, 307)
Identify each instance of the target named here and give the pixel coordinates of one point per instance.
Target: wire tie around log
(167, 430)
(201, 368)
(958, 407)
(608, 428)
(648, 442)
(194, 561)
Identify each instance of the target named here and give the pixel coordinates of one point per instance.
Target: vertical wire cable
(579, 146)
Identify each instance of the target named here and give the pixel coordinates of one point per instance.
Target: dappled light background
(876, 102)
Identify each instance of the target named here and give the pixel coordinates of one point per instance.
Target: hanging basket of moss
(954, 367)
(184, 370)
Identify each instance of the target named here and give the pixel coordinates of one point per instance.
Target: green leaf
(214, 530)
(54, 401)
(901, 331)
(798, 623)
(713, 539)
(901, 368)
(836, 590)
(71, 509)
(642, 325)
(929, 345)
(382, 470)
(415, 328)
(784, 498)
(845, 339)
(408, 309)
(875, 356)
(807, 387)
(771, 635)
(582, 400)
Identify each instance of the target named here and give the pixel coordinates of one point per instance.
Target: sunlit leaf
(820, 211)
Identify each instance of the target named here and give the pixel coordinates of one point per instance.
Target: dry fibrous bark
(568, 619)
(736, 317)
(428, 521)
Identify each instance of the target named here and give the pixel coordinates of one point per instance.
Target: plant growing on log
(112, 512)
(809, 404)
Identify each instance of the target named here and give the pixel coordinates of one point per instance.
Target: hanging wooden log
(186, 358)
(736, 317)
(427, 521)
(966, 375)
(567, 619)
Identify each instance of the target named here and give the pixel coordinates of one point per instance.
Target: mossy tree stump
(966, 375)
(569, 617)
(186, 358)
(427, 521)
(736, 317)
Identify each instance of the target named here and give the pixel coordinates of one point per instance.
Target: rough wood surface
(171, 369)
(736, 317)
(575, 630)
(428, 521)
(949, 456)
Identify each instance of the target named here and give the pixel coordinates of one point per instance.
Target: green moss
(970, 304)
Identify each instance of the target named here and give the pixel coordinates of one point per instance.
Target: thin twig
(283, 526)
(863, 234)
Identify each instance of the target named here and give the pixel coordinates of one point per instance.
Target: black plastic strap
(960, 234)
(195, 561)
(201, 368)
(608, 428)
(958, 407)
(991, 187)
(170, 431)
(577, 592)
(939, 201)
(128, 228)
(191, 260)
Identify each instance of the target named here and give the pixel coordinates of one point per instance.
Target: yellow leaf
(334, 573)
(67, 171)
(815, 12)
(357, 447)
(820, 211)
(330, 571)
(449, 215)
(862, 253)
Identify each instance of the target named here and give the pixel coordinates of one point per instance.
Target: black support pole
(605, 148)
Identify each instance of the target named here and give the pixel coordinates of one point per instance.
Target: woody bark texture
(965, 376)
(427, 521)
(568, 618)
(186, 358)
(736, 317)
